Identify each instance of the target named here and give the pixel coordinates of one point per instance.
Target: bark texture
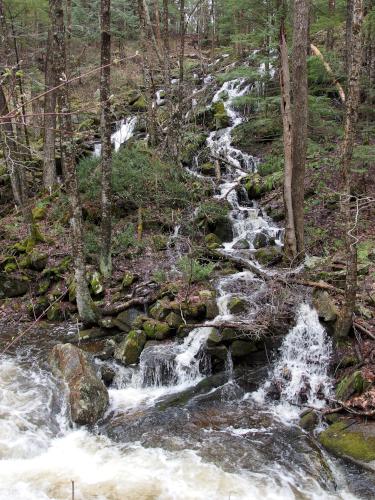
(299, 116)
(106, 193)
(85, 305)
(290, 247)
(351, 117)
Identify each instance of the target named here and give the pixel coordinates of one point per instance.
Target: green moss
(212, 241)
(156, 330)
(39, 213)
(240, 348)
(160, 310)
(350, 385)
(207, 168)
(127, 279)
(140, 104)
(221, 118)
(236, 305)
(339, 439)
(268, 255)
(96, 283)
(10, 266)
(129, 350)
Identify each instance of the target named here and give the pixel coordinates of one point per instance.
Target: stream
(173, 430)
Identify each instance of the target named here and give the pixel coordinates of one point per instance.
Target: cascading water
(301, 373)
(124, 131)
(215, 445)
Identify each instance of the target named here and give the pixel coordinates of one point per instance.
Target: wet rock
(241, 348)
(126, 318)
(269, 255)
(262, 240)
(309, 420)
(207, 169)
(223, 229)
(351, 440)
(350, 385)
(236, 305)
(108, 374)
(220, 352)
(241, 245)
(326, 308)
(129, 350)
(92, 333)
(12, 286)
(156, 329)
(88, 395)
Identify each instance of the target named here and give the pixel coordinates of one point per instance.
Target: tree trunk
(85, 305)
(49, 163)
(351, 116)
(348, 34)
(14, 166)
(147, 75)
(299, 116)
(331, 13)
(105, 82)
(290, 247)
(181, 56)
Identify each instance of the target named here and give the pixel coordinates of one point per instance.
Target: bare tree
(49, 163)
(299, 116)
(105, 82)
(86, 309)
(290, 247)
(351, 117)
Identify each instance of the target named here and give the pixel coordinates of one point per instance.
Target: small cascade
(124, 131)
(302, 369)
(301, 374)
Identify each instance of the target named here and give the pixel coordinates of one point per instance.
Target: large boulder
(268, 256)
(157, 330)
(12, 286)
(88, 395)
(351, 440)
(129, 350)
(125, 319)
(326, 308)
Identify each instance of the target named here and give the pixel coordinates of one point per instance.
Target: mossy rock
(212, 241)
(127, 279)
(96, 283)
(351, 441)
(350, 385)
(128, 318)
(33, 260)
(156, 330)
(12, 286)
(130, 349)
(257, 186)
(309, 421)
(92, 333)
(160, 310)
(241, 245)
(269, 255)
(174, 320)
(55, 312)
(59, 270)
(39, 213)
(214, 338)
(241, 348)
(221, 117)
(207, 169)
(139, 104)
(236, 305)
(191, 144)
(10, 267)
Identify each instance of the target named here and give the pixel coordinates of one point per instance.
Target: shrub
(193, 271)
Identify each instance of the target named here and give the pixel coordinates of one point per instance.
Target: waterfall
(302, 369)
(124, 131)
(301, 373)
